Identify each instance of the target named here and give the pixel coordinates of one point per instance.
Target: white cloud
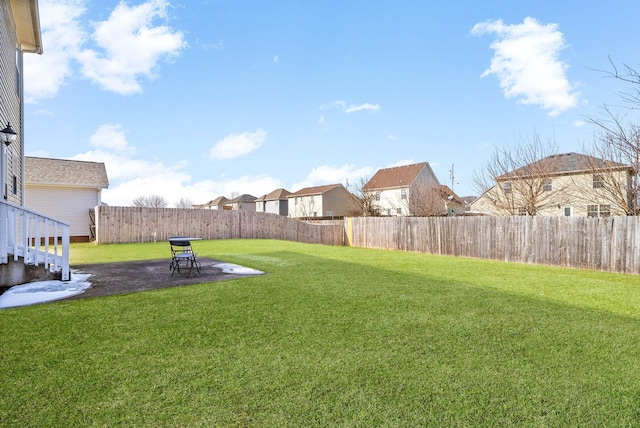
(126, 47)
(330, 174)
(131, 46)
(236, 145)
(352, 108)
(110, 137)
(62, 36)
(130, 177)
(362, 107)
(526, 61)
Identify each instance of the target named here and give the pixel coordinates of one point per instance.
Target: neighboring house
(276, 202)
(215, 204)
(568, 184)
(455, 204)
(329, 201)
(67, 190)
(243, 202)
(406, 190)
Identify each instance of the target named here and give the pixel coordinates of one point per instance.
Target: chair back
(180, 246)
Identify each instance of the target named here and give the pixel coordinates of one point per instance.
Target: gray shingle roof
(564, 163)
(65, 172)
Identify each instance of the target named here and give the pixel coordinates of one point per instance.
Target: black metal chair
(182, 255)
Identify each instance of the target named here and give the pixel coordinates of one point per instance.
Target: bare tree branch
(152, 201)
(518, 180)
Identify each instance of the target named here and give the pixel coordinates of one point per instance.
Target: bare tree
(617, 145)
(152, 201)
(518, 180)
(427, 202)
(365, 200)
(184, 203)
(308, 207)
(616, 161)
(422, 201)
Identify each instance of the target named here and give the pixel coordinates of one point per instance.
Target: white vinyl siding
(10, 105)
(68, 204)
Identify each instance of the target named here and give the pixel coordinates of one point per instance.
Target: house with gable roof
(218, 203)
(567, 184)
(244, 202)
(405, 191)
(67, 190)
(276, 202)
(329, 201)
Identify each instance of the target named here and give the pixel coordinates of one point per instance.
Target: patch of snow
(237, 269)
(44, 291)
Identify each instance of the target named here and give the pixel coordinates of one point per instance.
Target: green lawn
(331, 336)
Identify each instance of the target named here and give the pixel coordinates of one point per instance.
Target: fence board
(136, 224)
(609, 244)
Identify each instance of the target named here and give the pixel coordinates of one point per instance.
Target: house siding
(10, 105)
(391, 203)
(577, 192)
(276, 207)
(73, 205)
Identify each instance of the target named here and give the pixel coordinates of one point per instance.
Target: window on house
(601, 210)
(522, 211)
(403, 194)
(598, 181)
(399, 211)
(507, 187)
(377, 196)
(277, 203)
(15, 185)
(311, 199)
(547, 186)
(567, 211)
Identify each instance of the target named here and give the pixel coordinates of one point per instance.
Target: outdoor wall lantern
(8, 135)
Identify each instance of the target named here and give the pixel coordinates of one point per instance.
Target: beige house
(65, 189)
(276, 202)
(329, 201)
(244, 202)
(218, 203)
(568, 184)
(406, 190)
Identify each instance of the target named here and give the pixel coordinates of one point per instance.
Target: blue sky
(197, 99)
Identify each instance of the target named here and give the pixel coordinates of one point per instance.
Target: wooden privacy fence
(608, 244)
(136, 224)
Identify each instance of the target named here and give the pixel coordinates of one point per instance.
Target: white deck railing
(38, 239)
